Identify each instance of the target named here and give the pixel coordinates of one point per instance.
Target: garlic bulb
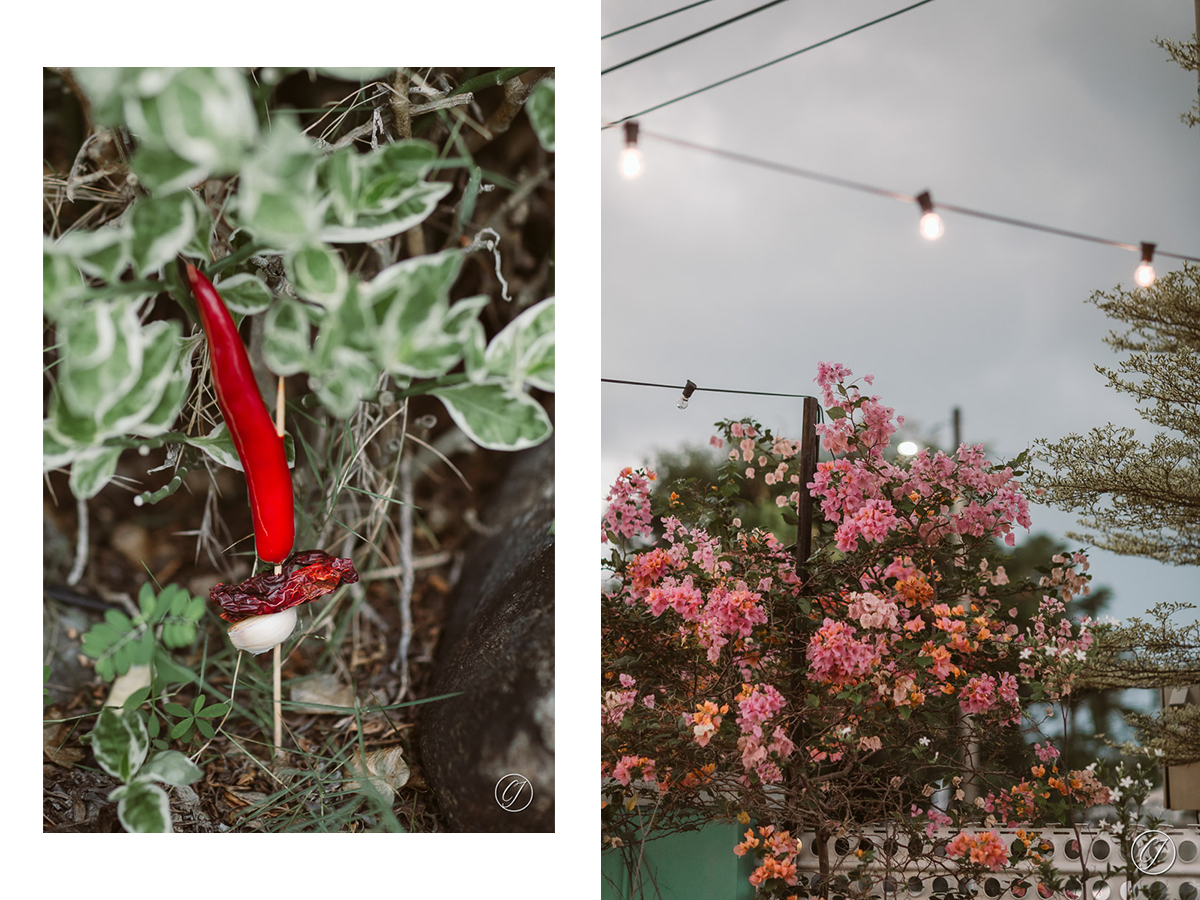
(258, 634)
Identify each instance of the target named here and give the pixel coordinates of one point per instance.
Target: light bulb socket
(688, 390)
(1148, 253)
(925, 202)
(631, 134)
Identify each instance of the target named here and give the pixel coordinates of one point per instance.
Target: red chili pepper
(258, 445)
(306, 575)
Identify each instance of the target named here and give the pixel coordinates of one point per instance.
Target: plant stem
(278, 704)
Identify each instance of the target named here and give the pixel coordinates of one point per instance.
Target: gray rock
(498, 650)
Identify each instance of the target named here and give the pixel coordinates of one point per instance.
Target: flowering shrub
(842, 690)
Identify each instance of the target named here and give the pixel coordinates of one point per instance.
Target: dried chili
(305, 575)
(259, 446)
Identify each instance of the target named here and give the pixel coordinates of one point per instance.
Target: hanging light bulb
(931, 223)
(1144, 274)
(688, 390)
(908, 448)
(631, 156)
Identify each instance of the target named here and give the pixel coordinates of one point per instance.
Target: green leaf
(61, 280)
(146, 601)
(277, 199)
(168, 672)
(55, 451)
(244, 293)
(170, 767)
(163, 171)
(92, 469)
(120, 742)
(286, 348)
(162, 227)
(361, 74)
(414, 206)
(208, 117)
(136, 699)
(159, 364)
(218, 444)
(835, 413)
(523, 352)
(177, 709)
(143, 808)
(105, 88)
(101, 355)
(317, 273)
(494, 417)
(411, 302)
(340, 176)
(214, 711)
(540, 109)
(163, 416)
(348, 377)
(103, 253)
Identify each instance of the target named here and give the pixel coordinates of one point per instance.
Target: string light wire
(684, 40)
(695, 387)
(759, 68)
(798, 172)
(665, 15)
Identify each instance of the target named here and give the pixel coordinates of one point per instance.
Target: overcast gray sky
(1061, 113)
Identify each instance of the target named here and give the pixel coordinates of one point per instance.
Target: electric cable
(764, 65)
(680, 387)
(798, 172)
(665, 15)
(684, 40)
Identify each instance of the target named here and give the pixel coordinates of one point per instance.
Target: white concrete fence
(1090, 863)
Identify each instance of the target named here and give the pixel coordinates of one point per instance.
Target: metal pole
(808, 471)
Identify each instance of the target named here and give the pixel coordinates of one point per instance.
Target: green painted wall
(694, 865)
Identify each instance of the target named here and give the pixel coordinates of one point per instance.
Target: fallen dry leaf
(386, 770)
(323, 690)
(53, 737)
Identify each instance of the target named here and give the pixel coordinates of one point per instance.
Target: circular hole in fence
(915, 885)
(992, 887)
(915, 845)
(865, 845)
(1072, 891)
(1124, 891)
(1020, 889)
(940, 851)
(890, 887)
(1100, 849)
(890, 847)
(1046, 847)
(1045, 891)
(1187, 850)
(967, 887)
(1158, 891)
(1072, 849)
(940, 885)
(1016, 848)
(1101, 890)
(1187, 891)
(841, 846)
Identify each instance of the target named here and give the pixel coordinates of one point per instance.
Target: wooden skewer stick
(277, 681)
